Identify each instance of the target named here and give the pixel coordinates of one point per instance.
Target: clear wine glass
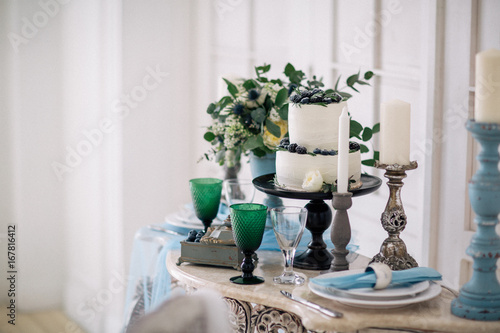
(239, 191)
(288, 225)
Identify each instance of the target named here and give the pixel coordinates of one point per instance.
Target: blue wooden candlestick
(479, 298)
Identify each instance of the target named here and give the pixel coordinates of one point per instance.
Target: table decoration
(239, 191)
(368, 278)
(343, 151)
(372, 300)
(479, 298)
(340, 232)
(487, 94)
(248, 222)
(319, 218)
(252, 117)
(288, 225)
(393, 250)
(206, 194)
(395, 132)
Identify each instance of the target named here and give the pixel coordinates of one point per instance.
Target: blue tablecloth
(149, 282)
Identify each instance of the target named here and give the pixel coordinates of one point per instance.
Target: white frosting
(292, 168)
(315, 126)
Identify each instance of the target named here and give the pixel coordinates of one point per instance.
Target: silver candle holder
(341, 231)
(393, 250)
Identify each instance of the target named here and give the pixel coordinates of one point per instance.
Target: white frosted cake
(307, 160)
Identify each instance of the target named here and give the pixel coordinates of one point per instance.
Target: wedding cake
(307, 159)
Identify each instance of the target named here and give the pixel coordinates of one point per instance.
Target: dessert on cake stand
(319, 217)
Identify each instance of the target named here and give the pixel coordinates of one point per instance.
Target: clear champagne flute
(288, 225)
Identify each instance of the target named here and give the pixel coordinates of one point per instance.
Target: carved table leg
(270, 320)
(240, 314)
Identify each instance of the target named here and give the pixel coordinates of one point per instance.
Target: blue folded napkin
(368, 278)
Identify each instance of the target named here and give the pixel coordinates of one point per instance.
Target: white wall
(31, 132)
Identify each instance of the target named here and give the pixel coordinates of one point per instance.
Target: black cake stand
(319, 216)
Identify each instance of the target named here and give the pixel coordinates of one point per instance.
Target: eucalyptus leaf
(363, 83)
(356, 127)
(211, 108)
(219, 156)
(289, 69)
(259, 115)
(281, 97)
(376, 155)
(273, 128)
(367, 134)
(337, 83)
(253, 142)
(231, 88)
(363, 148)
(351, 80)
(249, 84)
(259, 152)
(369, 162)
(368, 75)
(225, 101)
(262, 69)
(376, 128)
(209, 136)
(344, 94)
(283, 112)
(268, 103)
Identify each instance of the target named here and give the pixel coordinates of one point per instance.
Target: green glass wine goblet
(206, 193)
(248, 221)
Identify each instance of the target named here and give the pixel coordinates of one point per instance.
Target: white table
(263, 304)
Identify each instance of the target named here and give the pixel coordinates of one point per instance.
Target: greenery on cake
(313, 94)
(253, 116)
(333, 187)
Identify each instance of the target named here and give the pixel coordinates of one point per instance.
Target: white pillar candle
(343, 158)
(487, 96)
(395, 132)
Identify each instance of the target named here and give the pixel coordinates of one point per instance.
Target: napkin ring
(383, 274)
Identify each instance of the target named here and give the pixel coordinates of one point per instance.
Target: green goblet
(206, 193)
(248, 221)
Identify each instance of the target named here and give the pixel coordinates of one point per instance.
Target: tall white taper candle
(487, 96)
(395, 132)
(343, 158)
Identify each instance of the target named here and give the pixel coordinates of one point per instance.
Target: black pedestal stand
(319, 217)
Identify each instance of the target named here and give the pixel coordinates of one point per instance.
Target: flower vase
(232, 172)
(262, 166)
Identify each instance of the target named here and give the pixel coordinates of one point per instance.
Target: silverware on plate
(328, 312)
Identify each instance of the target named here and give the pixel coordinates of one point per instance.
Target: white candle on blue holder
(395, 132)
(343, 156)
(487, 96)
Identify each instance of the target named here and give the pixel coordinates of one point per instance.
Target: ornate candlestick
(393, 249)
(341, 230)
(480, 297)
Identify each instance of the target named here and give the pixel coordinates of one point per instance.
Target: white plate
(396, 292)
(431, 292)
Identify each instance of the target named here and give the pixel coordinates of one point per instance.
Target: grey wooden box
(211, 254)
